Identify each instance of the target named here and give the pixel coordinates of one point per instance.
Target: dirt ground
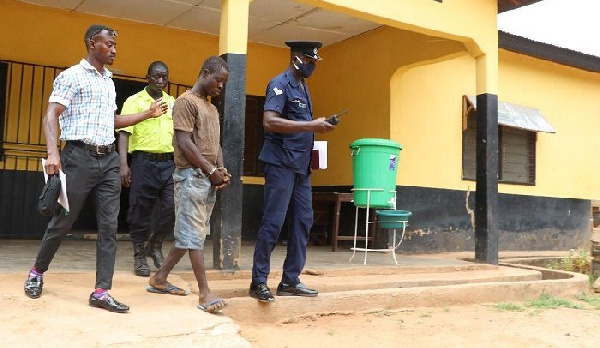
(61, 318)
(487, 325)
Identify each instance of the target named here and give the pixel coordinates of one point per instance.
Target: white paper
(62, 198)
(321, 146)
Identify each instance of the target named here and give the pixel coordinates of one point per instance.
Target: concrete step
(287, 309)
(349, 280)
(355, 270)
(352, 290)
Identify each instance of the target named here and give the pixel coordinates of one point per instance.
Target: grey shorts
(194, 201)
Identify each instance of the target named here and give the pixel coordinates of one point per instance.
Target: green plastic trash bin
(375, 163)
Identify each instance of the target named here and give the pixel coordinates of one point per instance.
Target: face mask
(305, 70)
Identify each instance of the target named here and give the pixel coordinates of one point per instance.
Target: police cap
(308, 48)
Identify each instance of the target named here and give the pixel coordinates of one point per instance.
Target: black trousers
(98, 176)
(150, 181)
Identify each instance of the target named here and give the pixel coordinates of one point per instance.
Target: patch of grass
(446, 309)
(593, 301)
(593, 279)
(331, 332)
(509, 307)
(577, 261)
(425, 315)
(549, 302)
(566, 264)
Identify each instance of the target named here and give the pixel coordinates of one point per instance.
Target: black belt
(94, 149)
(155, 157)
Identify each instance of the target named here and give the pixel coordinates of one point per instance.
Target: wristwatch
(212, 171)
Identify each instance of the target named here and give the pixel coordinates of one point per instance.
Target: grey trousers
(87, 174)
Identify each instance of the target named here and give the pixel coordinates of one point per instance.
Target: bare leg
(205, 296)
(159, 279)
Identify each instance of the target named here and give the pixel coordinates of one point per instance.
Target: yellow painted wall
(397, 84)
(262, 64)
(567, 162)
(355, 75)
(46, 36)
(426, 117)
(472, 22)
(49, 36)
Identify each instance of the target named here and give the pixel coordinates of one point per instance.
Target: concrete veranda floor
(80, 255)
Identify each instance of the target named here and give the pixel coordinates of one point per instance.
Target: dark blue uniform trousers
(284, 189)
(150, 181)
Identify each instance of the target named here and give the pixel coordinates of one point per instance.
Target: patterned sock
(34, 273)
(100, 293)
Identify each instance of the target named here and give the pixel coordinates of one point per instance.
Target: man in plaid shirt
(83, 105)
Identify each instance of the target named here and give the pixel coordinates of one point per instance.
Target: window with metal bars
(24, 91)
(516, 153)
(254, 135)
(3, 83)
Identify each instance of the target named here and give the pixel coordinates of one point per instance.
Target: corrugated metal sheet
(517, 116)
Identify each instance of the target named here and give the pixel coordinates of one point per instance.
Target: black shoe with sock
(33, 286)
(109, 303)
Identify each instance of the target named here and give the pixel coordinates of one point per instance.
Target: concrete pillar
(486, 195)
(233, 40)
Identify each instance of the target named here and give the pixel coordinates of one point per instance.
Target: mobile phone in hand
(335, 118)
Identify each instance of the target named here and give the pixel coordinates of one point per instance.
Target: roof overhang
(515, 116)
(546, 51)
(271, 22)
(508, 5)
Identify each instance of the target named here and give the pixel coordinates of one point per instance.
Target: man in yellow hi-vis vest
(150, 176)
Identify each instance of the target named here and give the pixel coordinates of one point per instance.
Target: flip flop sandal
(170, 289)
(213, 306)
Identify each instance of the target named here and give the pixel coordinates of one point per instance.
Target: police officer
(289, 136)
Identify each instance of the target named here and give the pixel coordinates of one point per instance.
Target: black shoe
(140, 266)
(154, 251)
(108, 303)
(261, 292)
(33, 286)
(295, 290)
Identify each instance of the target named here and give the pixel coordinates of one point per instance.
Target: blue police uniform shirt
(286, 97)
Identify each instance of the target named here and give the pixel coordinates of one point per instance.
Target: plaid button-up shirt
(89, 98)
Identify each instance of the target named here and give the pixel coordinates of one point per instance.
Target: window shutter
(253, 135)
(469, 155)
(516, 153)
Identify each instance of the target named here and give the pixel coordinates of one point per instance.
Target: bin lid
(375, 142)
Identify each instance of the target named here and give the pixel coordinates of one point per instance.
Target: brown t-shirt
(198, 116)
